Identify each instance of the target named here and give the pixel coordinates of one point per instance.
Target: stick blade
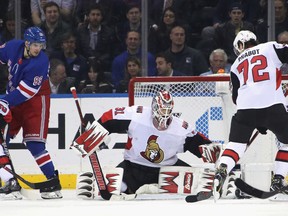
(199, 197)
(250, 190)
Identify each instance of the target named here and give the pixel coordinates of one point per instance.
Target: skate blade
(51, 195)
(279, 198)
(123, 196)
(216, 194)
(16, 195)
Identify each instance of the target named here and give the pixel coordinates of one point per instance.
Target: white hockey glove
(211, 152)
(91, 140)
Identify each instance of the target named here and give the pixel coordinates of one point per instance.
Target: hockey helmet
(240, 40)
(162, 107)
(35, 35)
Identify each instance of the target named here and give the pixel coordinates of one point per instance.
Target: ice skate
(278, 184)
(219, 179)
(11, 190)
(53, 192)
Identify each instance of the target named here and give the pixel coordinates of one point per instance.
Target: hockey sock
(42, 157)
(281, 160)
(232, 153)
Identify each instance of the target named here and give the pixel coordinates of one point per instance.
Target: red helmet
(162, 107)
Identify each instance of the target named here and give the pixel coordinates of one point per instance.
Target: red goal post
(204, 101)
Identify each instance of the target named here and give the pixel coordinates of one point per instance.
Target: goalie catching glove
(91, 140)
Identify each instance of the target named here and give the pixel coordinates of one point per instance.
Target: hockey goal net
(204, 102)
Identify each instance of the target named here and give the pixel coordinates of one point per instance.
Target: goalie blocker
(93, 139)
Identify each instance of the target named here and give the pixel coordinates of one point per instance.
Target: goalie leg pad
(86, 187)
(185, 180)
(91, 140)
(113, 178)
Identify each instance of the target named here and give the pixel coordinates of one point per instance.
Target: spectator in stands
(96, 81)
(218, 63)
(8, 32)
(226, 32)
(66, 10)
(206, 44)
(114, 11)
(97, 39)
(53, 26)
(164, 66)
(132, 23)
(75, 64)
(133, 42)
(59, 82)
(281, 21)
(186, 60)
(251, 10)
(25, 9)
(283, 38)
(132, 69)
(159, 36)
(181, 7)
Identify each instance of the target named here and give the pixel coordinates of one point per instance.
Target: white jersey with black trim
(147, 145)
(259, 75)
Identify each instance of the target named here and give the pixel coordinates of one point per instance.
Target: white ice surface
(70, 205)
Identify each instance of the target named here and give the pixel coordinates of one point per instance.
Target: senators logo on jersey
(153, 152)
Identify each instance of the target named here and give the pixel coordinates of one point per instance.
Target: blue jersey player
(26, 105)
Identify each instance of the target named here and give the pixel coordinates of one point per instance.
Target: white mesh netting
(206, 103)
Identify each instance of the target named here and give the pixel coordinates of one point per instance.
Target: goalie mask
(162, 106)
(240, 40)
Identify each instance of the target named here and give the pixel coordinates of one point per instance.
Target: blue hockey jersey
(27, 76)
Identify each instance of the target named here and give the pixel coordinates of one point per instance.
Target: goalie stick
(33, 185)
(97, 170)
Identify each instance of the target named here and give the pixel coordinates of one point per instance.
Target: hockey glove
(93, 139)
(5, 114)
(262, 130)
(210, 153)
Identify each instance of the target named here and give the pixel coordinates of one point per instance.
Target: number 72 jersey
(256, 76)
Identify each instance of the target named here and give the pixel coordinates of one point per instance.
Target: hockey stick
(33, 185)
(250, 190)
(97, 170)
(206, 195)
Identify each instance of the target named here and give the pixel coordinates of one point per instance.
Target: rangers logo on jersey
(37, 80)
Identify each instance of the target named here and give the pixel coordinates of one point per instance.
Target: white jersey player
(155, 137)
(258, 95)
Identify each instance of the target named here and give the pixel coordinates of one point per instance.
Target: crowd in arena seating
(99, 41)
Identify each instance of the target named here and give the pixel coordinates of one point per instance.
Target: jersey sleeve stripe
(26, 90)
